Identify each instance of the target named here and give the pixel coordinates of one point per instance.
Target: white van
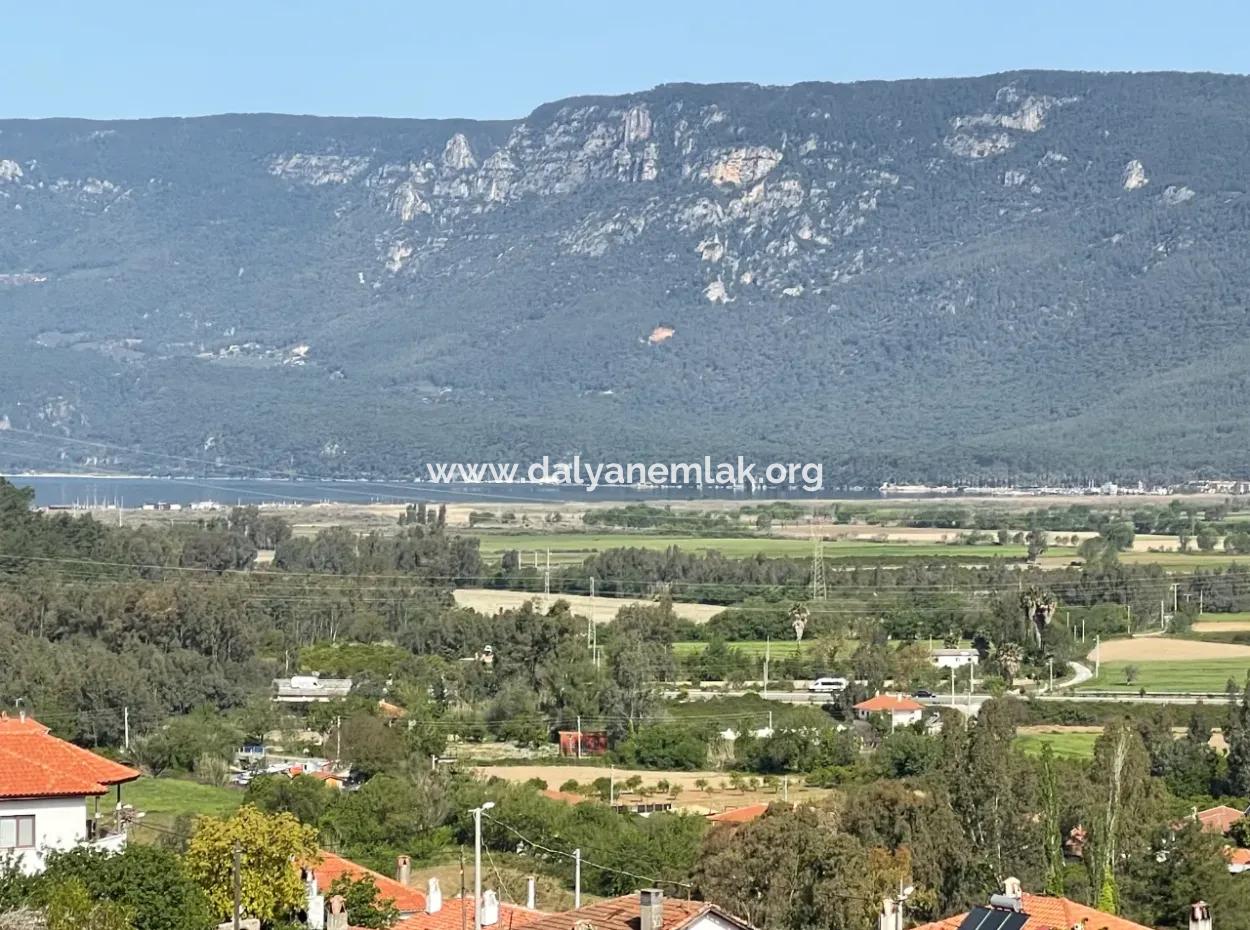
(828, 685)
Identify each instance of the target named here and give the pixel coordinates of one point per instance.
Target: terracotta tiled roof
(739, 814)
(884, 702)
(568, 797)
(1046, 913)
(408, 900)
(622, 914)
(1236, 856)
(457, 914)
(1219, 819)
(326, 776)
(35, 764)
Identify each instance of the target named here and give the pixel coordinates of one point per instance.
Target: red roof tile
(884, 702)
(568, 797)
(1236, 856)
(1046, 913)
(457, 914)
(408, 900)
(622, 914)
(739, 814)
(1219, 819)
(35, 764)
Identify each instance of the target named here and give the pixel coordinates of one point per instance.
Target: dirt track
(1166, 649)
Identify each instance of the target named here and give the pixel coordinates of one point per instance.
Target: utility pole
(1051, 662)
(464, 914)
(952, 686)
(768, 643)
(611, 785)
(1128, 608)
(820, 591)
(577, 879)
(338, 738)
(1175, 590)
(1097, 655)
(579, 736)
(1082, 629)
(477, 862)
(126, 728)
(547, 580)
(238, 883)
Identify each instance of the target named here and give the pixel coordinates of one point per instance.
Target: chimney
(1200, 916)
(490, 908)
(403, 869)
(337, 918)
(891, 916)
(433, 897)
(650, 909)
(529, 893)
(1012, 898)
(316, 907)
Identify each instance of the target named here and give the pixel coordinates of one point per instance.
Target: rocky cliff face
(877, 260)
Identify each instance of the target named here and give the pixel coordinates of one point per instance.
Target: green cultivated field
(1064, 745)
(1234, 617)
(1209, 675)
(1183, 560)
(168, 798)
(780, 649)
(573, 547)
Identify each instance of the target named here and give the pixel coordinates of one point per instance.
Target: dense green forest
(1034, 275)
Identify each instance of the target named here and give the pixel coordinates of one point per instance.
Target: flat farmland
(601, 609)
(1167, 649)
(1064, 742)
(695, 791)
(574, 547)
(1234, 622)
(1206, 676)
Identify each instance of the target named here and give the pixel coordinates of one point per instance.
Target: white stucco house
(955, 658)
(50, 793)
(902, 711)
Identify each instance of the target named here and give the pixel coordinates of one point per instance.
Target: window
(17, 832)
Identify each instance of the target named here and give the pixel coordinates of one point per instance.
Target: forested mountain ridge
(1021, 274)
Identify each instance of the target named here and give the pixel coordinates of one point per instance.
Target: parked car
(923, 693)
(828, 685)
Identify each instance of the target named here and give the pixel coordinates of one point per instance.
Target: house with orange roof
(50, 794)
(1018, 910)
(1219, 819)
(459, 913)
(320, 877)
(648, 909)
(739, 814)
(902, 711)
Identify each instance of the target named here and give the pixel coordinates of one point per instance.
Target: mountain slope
(1017, 275)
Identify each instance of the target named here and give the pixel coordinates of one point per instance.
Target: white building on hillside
(50, 794)
(955, 658)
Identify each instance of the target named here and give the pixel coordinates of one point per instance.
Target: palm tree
(1009, 658)
(798, 620)
(1039, 608)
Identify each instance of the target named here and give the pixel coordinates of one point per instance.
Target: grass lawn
(573, 547)
(1242, 616)
(1202, 675)
(1063, 745)
(174, 796)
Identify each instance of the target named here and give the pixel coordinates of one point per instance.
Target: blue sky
(124, 58)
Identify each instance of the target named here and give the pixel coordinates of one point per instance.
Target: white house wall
(60, 823)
